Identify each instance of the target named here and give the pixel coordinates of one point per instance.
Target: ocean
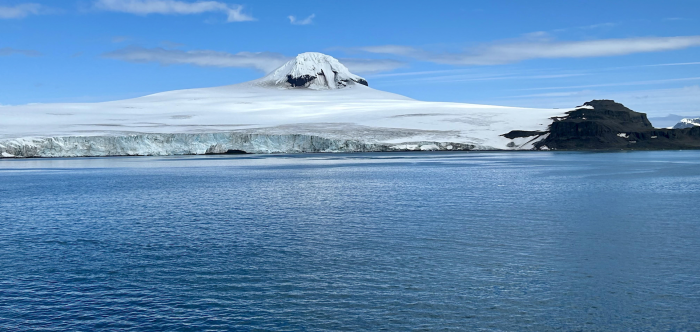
(509, 241)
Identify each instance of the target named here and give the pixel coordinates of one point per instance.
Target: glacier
(687, 123)
(333, 111)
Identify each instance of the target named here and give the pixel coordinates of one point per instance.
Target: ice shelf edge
(204, 143)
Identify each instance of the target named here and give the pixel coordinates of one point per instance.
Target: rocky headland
(608, 125)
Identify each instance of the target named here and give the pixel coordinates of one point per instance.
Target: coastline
(598, 125)
(407, 151)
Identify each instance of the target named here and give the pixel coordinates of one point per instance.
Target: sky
(553, 54)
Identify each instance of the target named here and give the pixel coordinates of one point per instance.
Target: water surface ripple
(421, 241)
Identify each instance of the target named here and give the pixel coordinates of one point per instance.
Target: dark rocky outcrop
(607, 125)
(304, 80)
(361, 81)
(299, 81)
(236, 152)
(523, 133)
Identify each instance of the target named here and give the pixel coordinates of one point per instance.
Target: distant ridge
(670, 120)
(687, 123)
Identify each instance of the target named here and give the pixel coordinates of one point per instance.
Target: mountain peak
(315, 71)
(687, 123)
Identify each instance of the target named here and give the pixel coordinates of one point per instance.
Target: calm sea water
(422, 241)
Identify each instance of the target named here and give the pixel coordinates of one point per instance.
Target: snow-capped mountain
(314, 71)
(687, 123)
(333, 110)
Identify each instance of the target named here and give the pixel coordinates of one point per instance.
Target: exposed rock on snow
(314, 71)
(687, 123)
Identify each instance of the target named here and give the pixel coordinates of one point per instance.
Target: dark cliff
(607, 125)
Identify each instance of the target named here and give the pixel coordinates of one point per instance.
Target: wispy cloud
(173, 7)
(654, 102)
(416, 73)
(516, 51)
(589, 27)
(370, 66)
(293, 20)
(262, 61)
(441, 79)
(556, 94)
(675, 64)
(598, 26)
(120, 39)
(23, 10)
(6, 51)
(648, 82)
(606, 25)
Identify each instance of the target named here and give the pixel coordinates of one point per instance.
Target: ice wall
(188, 144)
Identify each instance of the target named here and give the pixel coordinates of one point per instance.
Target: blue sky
(645, 54)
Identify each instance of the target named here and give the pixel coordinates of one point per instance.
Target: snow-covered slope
(260, 117)
(687, 123)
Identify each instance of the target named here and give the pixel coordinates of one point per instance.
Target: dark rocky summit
(607, 125)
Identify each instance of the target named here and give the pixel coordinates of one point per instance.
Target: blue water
(421, 241)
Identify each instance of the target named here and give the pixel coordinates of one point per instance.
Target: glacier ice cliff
(197, 144)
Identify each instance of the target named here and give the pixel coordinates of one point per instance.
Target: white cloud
(22, 10)
(306, 21)
(418, 73)
(262, 61)
(370, 66)
(6, 51)
(174, 7)
(515, 51)
(454, 76)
